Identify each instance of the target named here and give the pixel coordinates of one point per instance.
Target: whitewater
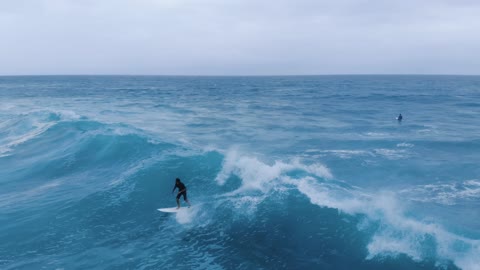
(284, 172)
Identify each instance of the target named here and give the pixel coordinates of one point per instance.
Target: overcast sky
(239, 37)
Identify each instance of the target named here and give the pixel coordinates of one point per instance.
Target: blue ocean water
(283, 172)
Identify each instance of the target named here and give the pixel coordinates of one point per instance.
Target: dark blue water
(283, 172)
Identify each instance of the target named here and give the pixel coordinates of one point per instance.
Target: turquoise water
(283, 172)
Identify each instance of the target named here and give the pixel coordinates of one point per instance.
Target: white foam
(446, 193)
(319, 194)
(377, 134)
(391, 153)
(193, 214)
(256, 175)
(385, 245)
(184, 217)
(397, 234)
(346, 154)
(408, 145)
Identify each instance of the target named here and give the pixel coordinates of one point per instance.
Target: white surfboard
(172, 209)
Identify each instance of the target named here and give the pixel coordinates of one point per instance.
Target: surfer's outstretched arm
(174, 187)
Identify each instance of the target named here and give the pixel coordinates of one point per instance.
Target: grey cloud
(238, 37)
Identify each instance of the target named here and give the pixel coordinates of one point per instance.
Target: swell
(83, 191)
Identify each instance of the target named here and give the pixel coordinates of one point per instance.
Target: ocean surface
(307, 172)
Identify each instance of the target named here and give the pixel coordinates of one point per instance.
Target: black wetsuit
(182, 190)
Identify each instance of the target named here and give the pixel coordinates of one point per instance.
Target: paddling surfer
(182, 191)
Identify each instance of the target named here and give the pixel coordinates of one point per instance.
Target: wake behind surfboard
(173, 209)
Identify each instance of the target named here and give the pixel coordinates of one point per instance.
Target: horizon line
(241, 75)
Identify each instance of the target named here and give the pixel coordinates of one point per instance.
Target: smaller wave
(392, 154)
(446, 194)
(377, 134)
(23, 127)
(347, 154)
(406, 145)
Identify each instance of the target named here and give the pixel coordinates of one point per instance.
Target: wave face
(282, 172)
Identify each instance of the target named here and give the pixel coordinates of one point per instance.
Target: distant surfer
(400, 117)
(182, 190)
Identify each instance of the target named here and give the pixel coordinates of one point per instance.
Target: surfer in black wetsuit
(400, 117)
(182, 190)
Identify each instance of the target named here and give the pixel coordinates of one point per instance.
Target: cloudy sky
(239, 37)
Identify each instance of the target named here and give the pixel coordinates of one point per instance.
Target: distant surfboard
(172, 209)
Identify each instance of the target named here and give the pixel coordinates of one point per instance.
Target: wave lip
(256, 175)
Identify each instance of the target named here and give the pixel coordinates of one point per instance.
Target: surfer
(400, 117)
(182, 190)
